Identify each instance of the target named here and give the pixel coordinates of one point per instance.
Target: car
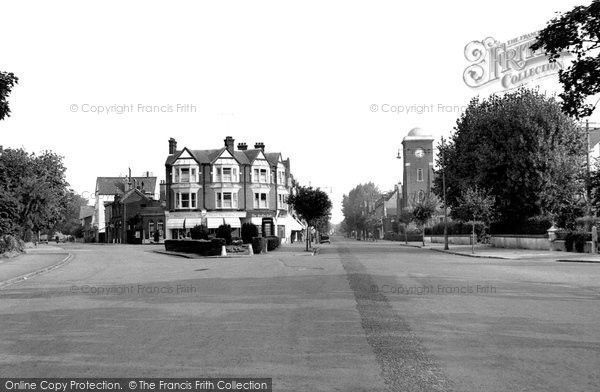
(324, 239)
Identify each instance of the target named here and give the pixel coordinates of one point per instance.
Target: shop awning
(214, 223)
(175, 223)
(178, 223)
(296, 226)
(233, 222)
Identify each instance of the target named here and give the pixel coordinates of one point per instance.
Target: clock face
(419, 153)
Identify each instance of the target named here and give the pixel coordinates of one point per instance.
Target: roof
(245, 157)
(116, 185)
(86, 212)
(418, 134)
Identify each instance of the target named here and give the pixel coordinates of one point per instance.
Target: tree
(424, 206)
(311, 205)
(522, 148)
(224, 231)
(7, 82)
(31, 190)
(575, 32)
(70, 205)
(249, 231)
(356, 206)
(199, 232)
(474, 204)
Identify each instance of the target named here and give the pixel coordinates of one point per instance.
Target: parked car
(324, 239)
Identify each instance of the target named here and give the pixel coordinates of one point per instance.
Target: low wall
(516, 241)
(462, 239)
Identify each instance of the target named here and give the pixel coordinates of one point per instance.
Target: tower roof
(418, 134)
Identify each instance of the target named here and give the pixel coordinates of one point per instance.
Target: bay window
(185, 200)
(260, 200)
(227, 200)
(226, 174)
(261, 176)
(185, 174)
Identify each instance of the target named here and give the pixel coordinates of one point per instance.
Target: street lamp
(444, 193)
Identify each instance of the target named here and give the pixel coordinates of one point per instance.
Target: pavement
(487, 251)
(34, 261)
(357, 316)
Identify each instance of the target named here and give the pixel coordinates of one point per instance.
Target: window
(160, 228)
(281, 178)
(227, 200)
(185, 200)
(281, 200)
(184, 174)
(260, 175)
(260, 200)
(419, 175)
(226, 174)
(151, 228)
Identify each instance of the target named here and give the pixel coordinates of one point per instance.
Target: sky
(302, 77)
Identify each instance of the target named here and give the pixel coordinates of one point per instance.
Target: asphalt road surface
(357, 317)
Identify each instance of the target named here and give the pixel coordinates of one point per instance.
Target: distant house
(86, 216)
(109, 187)
(134, 218)
(228, 186)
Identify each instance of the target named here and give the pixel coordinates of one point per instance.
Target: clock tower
(418, 165)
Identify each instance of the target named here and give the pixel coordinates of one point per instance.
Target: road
(357, 317)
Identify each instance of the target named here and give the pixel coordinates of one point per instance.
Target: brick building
(228, 186)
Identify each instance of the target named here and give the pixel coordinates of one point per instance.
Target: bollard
(223, 251)
(250, 250)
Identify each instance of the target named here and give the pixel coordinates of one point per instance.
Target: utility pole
(444, 192)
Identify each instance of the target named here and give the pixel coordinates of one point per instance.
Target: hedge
(273, 242)
(534, 225)
(201, 247)
(249, 231)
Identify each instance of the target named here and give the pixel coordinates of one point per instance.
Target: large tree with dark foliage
(70, 205)
(32, 191)
(312, 205)
(357, 205)
(576, 32)
(7, 82)
(522, 148)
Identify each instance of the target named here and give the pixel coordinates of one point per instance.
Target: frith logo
(511, 63)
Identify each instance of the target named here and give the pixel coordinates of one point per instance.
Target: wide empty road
(357, 317)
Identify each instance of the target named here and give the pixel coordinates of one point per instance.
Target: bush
(249, 231)
(224, 231)
(273, 242)
(199, 232)
(459, 228)
(533, 225)
(258, 244)
(576, 239)
(9, 243)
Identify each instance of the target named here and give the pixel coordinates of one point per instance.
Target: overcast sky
(300, 77)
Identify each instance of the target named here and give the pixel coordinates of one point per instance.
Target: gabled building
(134, 218)
(86, 216)
(109, 187)
(228, 186)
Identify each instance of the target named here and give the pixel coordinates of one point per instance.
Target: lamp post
(444, 193)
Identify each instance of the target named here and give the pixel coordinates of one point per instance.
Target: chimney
(163, 192)
(260, 145)
(172, 146)
(229, 143)
(242, 146)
